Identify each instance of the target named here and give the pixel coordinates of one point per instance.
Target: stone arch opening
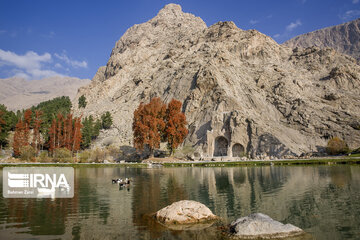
(238, 150)
(221, 146)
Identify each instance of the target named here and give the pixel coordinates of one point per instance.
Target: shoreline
(188, 163)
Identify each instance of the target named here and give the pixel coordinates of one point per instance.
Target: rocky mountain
(344, 38)
(242, 92)
(18, 93)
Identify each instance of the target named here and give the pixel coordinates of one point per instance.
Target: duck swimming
(116, 180)
(125, 182)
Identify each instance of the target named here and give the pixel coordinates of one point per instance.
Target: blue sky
(41, 38)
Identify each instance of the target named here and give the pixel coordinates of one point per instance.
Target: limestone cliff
(241, 91)
(344, 38)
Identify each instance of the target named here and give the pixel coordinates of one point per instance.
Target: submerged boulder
(259, 225)
(185, 212)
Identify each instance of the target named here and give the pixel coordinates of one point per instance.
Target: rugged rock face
(259, 225)
(184, 212)
(344, 38)
(242, 92)
(18, 93)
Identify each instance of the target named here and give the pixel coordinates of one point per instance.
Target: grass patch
(266, 163)
(75, 165)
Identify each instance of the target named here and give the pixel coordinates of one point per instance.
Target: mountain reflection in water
(323, 200)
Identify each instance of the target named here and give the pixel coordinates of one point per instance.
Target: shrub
(84, 156)
(44, 157)
(27, 153)
(98, 155)
(337, 146)
(63, 155)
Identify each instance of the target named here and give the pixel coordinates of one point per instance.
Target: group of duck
(122, 182)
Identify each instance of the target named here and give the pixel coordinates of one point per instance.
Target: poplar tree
(175, 130)
(149, 124)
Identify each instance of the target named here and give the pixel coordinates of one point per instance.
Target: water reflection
(323, 200)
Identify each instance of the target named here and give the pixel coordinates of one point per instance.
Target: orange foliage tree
(155, 122)
(36, 141)
(22, 133)
(19, 137)
(65, 133)
(77, 137)
(2, 122)
(175, 130)
(52, 136)
(149, 124)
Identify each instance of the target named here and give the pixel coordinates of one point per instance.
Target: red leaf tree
(77, 137)
(2, 122)
(52, 136)
(27, 124)
(19, 137)
(155, 121)
(65, 133)
(36, 141)
(175, 130)
(149, 125)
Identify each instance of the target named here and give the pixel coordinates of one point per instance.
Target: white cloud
(355, 1)
(349, 15)
(253, 22)
(288, 32)
(73, 63)
(58, 65)
(28, 61)
(29, 65)
(293, 25)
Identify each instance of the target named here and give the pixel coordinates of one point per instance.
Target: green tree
(9, 121)
(51, 109)
(106, 120)
(82, 101)
(90, 131)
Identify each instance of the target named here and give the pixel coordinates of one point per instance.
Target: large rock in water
(185, 212)
(242, 93)
(259, 225)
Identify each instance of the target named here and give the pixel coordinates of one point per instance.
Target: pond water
(322, 200)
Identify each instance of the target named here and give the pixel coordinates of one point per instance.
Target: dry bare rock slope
(241, 91)
(344, 38)
(19, 93)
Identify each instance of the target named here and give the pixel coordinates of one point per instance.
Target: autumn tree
(27, 124)
(65, 133)
(2, 122)
(77, 138)
(52, 136)
(175, 130)
(36, 140)
(148, 125)
(19, 138)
